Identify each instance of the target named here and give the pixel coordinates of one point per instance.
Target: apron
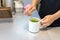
(49, 7)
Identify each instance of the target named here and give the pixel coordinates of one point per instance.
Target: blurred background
(11, 3)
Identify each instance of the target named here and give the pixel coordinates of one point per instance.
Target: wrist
(55, 16)
(35, 2)
(33, 5)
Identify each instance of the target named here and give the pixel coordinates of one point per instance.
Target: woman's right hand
(29, 9)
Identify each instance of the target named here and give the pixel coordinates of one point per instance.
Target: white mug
(34, 26)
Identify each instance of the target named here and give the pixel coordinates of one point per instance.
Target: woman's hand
(48, 20)
(29, 9)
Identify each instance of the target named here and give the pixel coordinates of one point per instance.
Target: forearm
(57, 14)
(35, 2)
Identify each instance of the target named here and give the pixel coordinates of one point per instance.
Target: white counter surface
(17, 30)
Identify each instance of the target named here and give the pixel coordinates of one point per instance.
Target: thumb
(43, 19)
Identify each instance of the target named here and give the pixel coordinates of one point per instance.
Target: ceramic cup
(34, 25)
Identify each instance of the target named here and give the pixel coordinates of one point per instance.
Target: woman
(49, 12)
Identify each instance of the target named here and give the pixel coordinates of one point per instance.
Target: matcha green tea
(34, 20)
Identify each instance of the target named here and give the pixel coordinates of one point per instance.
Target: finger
(28, 14)
(44, 25)
(25, 13)
(28, 11)
(32, 9)
(29, 8)
(44, 22)
(44, 18)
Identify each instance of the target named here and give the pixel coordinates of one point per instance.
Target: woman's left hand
(48, 20)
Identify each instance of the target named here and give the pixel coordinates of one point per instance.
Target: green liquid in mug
(34, 20)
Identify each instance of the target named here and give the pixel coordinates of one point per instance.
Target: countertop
(16, 28)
